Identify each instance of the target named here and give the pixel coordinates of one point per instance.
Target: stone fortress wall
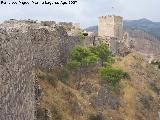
(16, 78)
(110, 31)
(122, 40)
(110, 26)
(23, 46)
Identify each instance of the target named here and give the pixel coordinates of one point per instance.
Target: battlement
(111, 19)
(111, 16)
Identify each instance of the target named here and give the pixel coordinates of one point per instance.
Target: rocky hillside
(42, 77)
(144, 24)
(63, 96)
(145, 43)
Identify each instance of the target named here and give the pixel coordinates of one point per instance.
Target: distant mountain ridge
(142, 24)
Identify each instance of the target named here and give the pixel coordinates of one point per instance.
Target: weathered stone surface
(48, 23)
(23, 46)
(110, 31)
(16, 78)
(110, 26)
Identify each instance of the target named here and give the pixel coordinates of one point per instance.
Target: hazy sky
(85, 11)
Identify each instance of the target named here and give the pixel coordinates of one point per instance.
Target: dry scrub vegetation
(66, 96)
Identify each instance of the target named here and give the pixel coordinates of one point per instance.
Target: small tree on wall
(102, 51)
(81, 57)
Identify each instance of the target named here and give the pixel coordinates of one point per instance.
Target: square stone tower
(110, 26)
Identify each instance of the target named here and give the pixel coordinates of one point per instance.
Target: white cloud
(85, 11)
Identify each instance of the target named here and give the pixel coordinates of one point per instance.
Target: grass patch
(59, 74)
(116, 88)
(63, 76)
(56, 115)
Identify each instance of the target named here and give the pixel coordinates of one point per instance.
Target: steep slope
(145, 43)
(140, 98)
(87, 98)
(144, 24)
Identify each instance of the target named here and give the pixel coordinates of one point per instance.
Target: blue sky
(85, 11)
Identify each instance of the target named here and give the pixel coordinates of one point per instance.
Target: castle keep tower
(110, 31)
(110, 26)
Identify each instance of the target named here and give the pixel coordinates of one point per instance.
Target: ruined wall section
(111, 41)
(110, 30)
(110, 26)
(105, 26)
(16, 78)
(49, 46)
(118, 27)
(23, 46)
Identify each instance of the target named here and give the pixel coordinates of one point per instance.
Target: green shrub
(81, 57)
(126, 75)
(73, 64)
(111, 75)
(102, 51)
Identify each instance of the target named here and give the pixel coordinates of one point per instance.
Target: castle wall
(16, 78)
(110, 30)
(112, 43)
(110, 26)
(24, 46)
(49, 46)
